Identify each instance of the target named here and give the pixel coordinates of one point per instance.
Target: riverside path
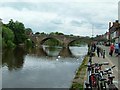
(112, 61)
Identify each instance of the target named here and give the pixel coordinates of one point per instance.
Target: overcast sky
(74, 17)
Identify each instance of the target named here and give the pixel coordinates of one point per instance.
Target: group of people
(99, 50)
(114, 48)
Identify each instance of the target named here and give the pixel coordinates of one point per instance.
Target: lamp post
(109, 32)
(92, 33)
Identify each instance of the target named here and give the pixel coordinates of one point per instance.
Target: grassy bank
(78, 81)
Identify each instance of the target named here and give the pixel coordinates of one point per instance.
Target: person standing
(98, 51)
(116, 48)
(111, 49)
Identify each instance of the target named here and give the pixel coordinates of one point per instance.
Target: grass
(78, 81)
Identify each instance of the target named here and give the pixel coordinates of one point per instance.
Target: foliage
(80, 75)
(14, 33)
(10, 44)
(19, 31)
(28, 31)
(56, 33)
(8, 37)
(78, 43)
(28, 43)
(52, 42)
(37, 33)
(42, 33)
(7, 34)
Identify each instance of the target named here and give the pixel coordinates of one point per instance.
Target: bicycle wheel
(112, 87)
(103, 86)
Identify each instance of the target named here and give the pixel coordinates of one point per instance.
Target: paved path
(112, 61)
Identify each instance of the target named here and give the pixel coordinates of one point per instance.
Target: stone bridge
(65, 40)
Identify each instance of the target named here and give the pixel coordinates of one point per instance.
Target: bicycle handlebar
(106, 73)
(109, 69)
(97, 64)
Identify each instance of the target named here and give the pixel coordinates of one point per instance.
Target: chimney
(117, 21)
(109, 24)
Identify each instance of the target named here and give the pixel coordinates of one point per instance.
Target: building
(106, 36)
(119, 18)
(114, 31)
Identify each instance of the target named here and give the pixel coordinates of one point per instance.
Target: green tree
(28, 31)
(19, 31)
(28, 43)
(7, 37)
(56, 33)
(43, 33)
(37, 33)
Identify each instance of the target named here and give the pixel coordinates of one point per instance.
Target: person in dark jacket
(98, 51)
(118, 49)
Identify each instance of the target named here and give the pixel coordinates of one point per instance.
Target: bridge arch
(79, 39)
(73, 41)
(48, 38)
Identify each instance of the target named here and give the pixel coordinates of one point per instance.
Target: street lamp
(92, 31)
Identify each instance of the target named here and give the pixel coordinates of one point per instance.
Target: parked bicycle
(110, 83)
(94, 75)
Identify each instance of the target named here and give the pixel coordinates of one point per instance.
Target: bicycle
(111, 85)
(94, 75)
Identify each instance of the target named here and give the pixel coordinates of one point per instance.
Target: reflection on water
(40, 67)
(52, 51)
(13, 59)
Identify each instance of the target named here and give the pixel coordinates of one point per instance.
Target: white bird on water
(58, 56)
(57, 59)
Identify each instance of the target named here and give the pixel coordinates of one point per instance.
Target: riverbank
(78, 81)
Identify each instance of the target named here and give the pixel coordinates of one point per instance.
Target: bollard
(103, 53)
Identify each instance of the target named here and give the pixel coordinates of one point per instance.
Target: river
(45, 67)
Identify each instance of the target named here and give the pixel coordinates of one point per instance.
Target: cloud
(70, 18)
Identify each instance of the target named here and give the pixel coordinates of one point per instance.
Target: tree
(19, 31)
(42, 33)
(7, 37)
(37, 33)
(7, 34)
(56, 33)
(28, 31)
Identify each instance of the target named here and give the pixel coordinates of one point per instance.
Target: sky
(77, 17)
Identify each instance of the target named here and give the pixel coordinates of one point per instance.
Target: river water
(45, 67)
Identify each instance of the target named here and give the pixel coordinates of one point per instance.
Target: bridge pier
(65, 52)
(38, 51)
